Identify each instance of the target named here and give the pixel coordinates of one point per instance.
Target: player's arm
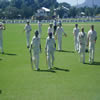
(30, 28)
(40, 46)
(88, 39)
(46, 46)
(56, 34)
(64, 32)
(96, 37)
(4, 27)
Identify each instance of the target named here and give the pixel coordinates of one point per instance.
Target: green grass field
(71, 80)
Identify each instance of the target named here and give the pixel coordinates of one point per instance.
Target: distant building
(43, 13)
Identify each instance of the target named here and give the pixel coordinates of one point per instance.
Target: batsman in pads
(36, 47)
(50, 49)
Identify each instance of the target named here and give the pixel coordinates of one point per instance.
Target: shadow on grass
(0, 91)
(0, 59)
(52, 71)
(10, 54)
(61, 69)
(65, 51)
(95, 63)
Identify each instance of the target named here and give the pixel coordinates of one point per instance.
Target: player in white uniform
(92, 37)
(82, 44)
(36, 46)
(28, 29)
(50, 29)
(39, 28)
(59, 33)
(75, 33)
(50, 49)
(2, 27)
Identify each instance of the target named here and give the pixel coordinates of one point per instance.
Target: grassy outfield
(71, 80)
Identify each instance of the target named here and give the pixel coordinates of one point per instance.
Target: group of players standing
(83, 40)
(55, 31)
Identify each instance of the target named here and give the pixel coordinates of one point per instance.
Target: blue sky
(72, 2)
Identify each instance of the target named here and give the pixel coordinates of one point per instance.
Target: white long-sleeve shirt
(76, 31)
(35, 44)
(92, 36)
(27, 28)
(50, 44)
(82, 38)
(50, 30)
(59, 32)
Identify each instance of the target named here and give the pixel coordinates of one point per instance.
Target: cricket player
(75, 33)
(59, 33)
(2, 27)
(39, 28)
(28, 29)
(82, 44)
(55, 26)
(92, 37)
(36, 46)
(50, 29)
(50, 49)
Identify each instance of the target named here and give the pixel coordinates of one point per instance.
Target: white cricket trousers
(50, 59)
(76, 43)
(82, 53)
(59, 43)
(40, 33)
(91, 52)
(1, 42)
(36, 60)
(28, 38)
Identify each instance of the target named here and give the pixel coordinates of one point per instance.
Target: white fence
(51, 21)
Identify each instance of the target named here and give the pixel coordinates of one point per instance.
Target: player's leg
(90, 52)
(75, 43)
(52, 58)
(37, 62)
(34, 59)
(28, 39)
(83, 57)
(90, 55)
(48, 59)
(93, 52)
(59, 43)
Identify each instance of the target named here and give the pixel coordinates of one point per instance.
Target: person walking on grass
(40, 28)
(92, 37)
(59, 34)
(28, 29)
(82, 44)
(50, 49)
(75, 33)
(55, 26)
(2, 27)
(50, 29)
(36, 46)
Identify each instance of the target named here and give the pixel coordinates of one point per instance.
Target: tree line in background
(15, 9)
